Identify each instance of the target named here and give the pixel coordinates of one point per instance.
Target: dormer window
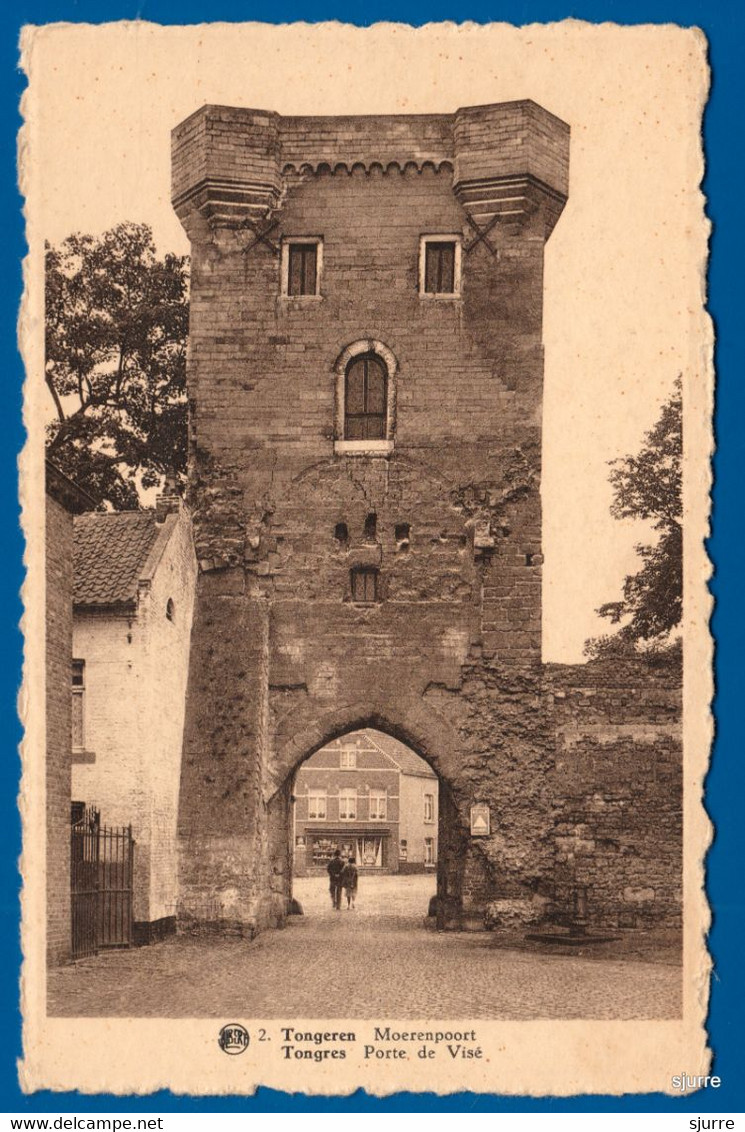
(302, 258)
(439, 265)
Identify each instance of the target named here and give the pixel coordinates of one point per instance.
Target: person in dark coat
(335, 868)
(349, 881)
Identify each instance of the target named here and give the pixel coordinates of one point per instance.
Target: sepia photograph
(368, 400)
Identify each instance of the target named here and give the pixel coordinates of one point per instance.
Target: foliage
(648, 486)
(116, 328)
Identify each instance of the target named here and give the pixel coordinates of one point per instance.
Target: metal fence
(101, 869)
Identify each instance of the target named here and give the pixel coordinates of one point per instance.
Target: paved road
(376, 961)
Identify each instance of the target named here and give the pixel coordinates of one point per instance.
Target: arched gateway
(365, 386)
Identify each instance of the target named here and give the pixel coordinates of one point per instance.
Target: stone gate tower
(365, 388)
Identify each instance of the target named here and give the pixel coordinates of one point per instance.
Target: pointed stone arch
(411, 720)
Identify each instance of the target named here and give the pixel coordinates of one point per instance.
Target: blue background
(724, 24)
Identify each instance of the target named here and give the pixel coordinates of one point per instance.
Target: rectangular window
(347, 805)
(378, 805)
(323, 849)
(365, 584)
(316, 805)
(439, 265)
(348, 759)
(301, 267)
(439, 272)
(429, 807)
(429, 850)
(78, 705)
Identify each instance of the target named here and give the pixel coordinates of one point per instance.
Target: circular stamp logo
(233, 1038)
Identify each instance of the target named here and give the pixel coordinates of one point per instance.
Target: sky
(624, 282)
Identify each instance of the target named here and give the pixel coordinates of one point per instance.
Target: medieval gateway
(365, 385)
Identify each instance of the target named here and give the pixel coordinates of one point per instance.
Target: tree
(116, 326)
(648, 486)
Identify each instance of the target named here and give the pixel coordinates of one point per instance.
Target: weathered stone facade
(444, 504)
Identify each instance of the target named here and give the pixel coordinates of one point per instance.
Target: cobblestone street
(378, 961)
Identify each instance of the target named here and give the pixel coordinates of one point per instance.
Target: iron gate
(101, 868)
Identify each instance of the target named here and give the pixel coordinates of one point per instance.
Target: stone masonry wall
(448, 660)
(618, 791)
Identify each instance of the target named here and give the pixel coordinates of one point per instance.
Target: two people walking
(342, 875)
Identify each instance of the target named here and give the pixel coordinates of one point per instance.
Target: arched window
(365, 399)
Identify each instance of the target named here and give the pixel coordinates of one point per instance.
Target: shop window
(323, 849)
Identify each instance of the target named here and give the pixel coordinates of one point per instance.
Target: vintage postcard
(369, 392)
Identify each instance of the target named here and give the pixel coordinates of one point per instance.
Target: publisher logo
(233, 1038)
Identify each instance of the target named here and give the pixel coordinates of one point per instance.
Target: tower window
(341, 533)
(364, 582)
(371, 527)
(301, 267)
(365, 399)
(439, 265)
(403, 536)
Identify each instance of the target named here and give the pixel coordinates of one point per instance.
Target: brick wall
(59, 727)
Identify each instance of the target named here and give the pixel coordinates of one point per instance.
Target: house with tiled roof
(370, 797)
(134, 581)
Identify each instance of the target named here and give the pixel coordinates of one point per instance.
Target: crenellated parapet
(507, 161)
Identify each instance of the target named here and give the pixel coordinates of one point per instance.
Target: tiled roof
(403, 756)
(110, 552)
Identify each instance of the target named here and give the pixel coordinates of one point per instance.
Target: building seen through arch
(372, 798)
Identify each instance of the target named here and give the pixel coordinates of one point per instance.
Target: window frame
(366, 571)
(366, 415)
(317, 795)
(429, 809)
(429, 851)
(381, 813)
(347, 759)
(77, 691)
(289, 242)
(441, 238)
(371, 347)
(348, 794)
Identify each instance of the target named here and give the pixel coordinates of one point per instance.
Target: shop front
(372, 850)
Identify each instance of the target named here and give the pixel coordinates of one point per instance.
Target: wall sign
(480, 823)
